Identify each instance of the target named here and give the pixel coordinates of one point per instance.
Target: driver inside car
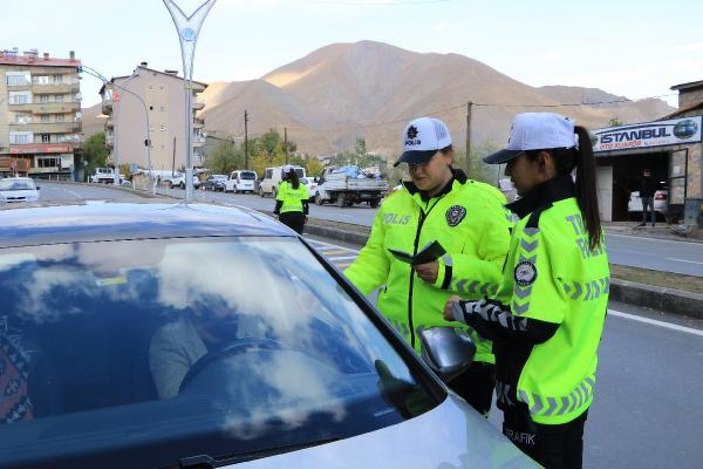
(175, 347)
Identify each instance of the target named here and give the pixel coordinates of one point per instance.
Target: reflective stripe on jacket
(291, 199)
(469, 221)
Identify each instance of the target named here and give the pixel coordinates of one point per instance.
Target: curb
(663, 299)
(677, 302)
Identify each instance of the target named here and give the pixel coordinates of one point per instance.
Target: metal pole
(246, 141)
(188, 28)
(468, 138)
(285, 141)
(147, 142)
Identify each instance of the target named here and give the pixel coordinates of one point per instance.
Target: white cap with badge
(422, 138)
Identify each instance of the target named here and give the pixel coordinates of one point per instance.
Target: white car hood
(452, 435)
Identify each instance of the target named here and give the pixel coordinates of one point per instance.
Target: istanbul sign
(650, 134)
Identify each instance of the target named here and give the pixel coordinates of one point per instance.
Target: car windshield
(220, 177)
(247, 175)
(173, 348)
(16, 185)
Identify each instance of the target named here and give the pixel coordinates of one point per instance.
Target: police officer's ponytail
(293, 179)
(586, 189)
(582, 159)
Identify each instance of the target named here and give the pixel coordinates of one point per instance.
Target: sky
(630, 48)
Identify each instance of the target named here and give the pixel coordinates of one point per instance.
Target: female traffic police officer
(292, 201)
(468, 220)
(547, 317)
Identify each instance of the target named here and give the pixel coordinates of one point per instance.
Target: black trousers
(475, 386)
(293, 220)
(552, 446)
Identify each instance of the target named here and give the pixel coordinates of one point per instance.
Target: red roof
(36, 60)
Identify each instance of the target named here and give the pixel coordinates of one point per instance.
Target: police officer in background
(547, 317)
(292, 201)
(468, 220)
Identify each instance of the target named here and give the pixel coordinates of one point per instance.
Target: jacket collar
(544, 195)
(457, 175)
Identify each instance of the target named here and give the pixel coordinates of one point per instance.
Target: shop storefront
(670, 149)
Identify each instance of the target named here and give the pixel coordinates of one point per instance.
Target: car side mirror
(446, 351)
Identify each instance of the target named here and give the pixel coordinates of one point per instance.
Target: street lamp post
(188, 28)
(147, 140)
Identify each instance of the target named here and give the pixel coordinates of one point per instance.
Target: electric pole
(468, 138)
(246, 141)
(285, 141)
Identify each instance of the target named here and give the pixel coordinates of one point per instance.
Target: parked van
(272, 178)
(241, 181)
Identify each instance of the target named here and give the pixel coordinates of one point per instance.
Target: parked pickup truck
(348, 185)
(103, 175)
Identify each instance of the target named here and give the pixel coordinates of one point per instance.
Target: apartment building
(159, 97)
(40, 114)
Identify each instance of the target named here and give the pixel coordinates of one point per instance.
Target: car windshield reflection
(204, 346)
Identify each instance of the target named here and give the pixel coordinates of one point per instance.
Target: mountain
(368, 89)
(91, 122)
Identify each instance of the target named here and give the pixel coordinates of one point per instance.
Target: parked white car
(661, 203)
(18, 189)
(241, 181)
(311, 185)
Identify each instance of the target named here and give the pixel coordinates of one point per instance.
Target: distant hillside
(368, 89)
(92, 124)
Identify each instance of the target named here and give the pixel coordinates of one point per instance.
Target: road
(647, 408)
(657, 254)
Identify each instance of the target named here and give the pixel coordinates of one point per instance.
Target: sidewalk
(679, 302)
(659, 231)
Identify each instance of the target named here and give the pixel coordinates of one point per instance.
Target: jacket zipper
(423, 217)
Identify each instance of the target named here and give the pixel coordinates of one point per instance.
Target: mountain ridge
(343, 91)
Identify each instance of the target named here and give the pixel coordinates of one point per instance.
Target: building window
(58, 98)
(21, 138)
(60, 118)
(22, 119)
(17, 78)
(45, 138)
(43, 98)
(58, 79)
(20, 98)
(40, 80)
(48, 162)
(45, 118)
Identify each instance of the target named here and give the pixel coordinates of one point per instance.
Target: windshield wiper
(204, 461)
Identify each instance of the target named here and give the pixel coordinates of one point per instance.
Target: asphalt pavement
(652, 248)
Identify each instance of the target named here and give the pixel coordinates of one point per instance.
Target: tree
(94, 152)
(225, 158)
(615, 122)
(313, 166)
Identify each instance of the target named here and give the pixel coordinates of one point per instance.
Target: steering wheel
(228, 351)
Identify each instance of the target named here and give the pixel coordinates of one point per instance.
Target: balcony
(198, 123)
(109, 141)
(34, 148)
(198, 105)
(47, 108)
(48, 127)
(63, 88)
